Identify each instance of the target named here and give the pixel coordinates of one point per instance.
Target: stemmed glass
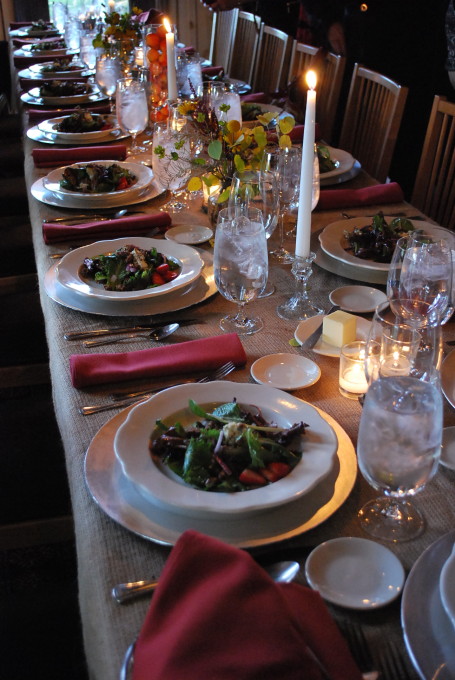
(132, 110)
(257, 189)
(316, 188)
(240, 264)
(398, 450)
(108, 71)
(87, 52)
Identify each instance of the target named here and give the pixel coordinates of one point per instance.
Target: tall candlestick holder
(299, 306)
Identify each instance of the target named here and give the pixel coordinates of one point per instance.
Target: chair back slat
(222, 40)
(272, 60)
(245, 46)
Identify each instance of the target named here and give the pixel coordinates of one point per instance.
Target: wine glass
(316, 189)
(257, 189)
(108, 71)
(286, 164)
(87, 52)
(420, 278)
(398, 450)
(240, 264)
(132, 110)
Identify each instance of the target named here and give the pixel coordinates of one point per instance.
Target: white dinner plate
(49, 127)
(448, 448)
(342, 177)
(447, 586)
(448, 378)
(428, 632)
(60, 52)
(28, 99)
(285, 371)
(122, 502)
(35, 134)
(202, 289)
(165, 489)
(38, 69)
(143, 174)
(333, 242)
(68, 274)
(57, 100)
(39, 191)
(189, 233)
(305, 328)
(344, 163)
(355, 573)
(38, 33)
(357, 299)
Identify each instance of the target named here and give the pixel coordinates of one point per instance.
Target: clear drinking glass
(171, 174)
(132, 110)
(108, 71)
(398, 449)
(240, 265)
(87, 52)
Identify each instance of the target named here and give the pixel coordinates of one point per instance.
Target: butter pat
(339, 328)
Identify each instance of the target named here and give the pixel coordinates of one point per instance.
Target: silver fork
(136, 397)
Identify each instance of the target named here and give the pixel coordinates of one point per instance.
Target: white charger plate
(355, 573)
(165, 489)
(48, 127)
(68, 275)
(344, 163)
(448, 448)
(38, 69)
(35, 134)
(448, 378)
(202, 289)
(447, 586)
(189, 234)
(94, 98)
(285, 371)
(305, 328)
(121, 501)
(357, 299)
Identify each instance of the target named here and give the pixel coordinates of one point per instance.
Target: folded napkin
(349, 198)
(212, 71)
(136, 225)
(27, 84)
(50, 158)
(254, 98)
(26, 61)
(19, 24)
(217, 615)
(38, 115)
(19, 42)
(205, 354)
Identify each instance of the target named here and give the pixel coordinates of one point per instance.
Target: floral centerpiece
(227, 145)
(121, 31)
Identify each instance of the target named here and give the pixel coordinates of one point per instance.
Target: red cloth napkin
(25, 62)
(217, 615)
(349, 198)
(50, 158)
(38, 115)
(296, 134)
(254, 98)
(19, 42)
(136, 225)
(212, 71)
(205, 354)
(27, 84)
(19, 24)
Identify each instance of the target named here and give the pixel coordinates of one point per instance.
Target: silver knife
(99, 332)
(312, 339)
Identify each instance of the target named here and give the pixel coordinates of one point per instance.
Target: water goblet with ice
(108, 71)
(132, 110)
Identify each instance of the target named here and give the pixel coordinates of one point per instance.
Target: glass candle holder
(353, 382)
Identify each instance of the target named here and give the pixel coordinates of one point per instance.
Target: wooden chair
(434, 188)
(245, 47)
(222, 40)
(372, 118)
(330, 69)
(272, 59)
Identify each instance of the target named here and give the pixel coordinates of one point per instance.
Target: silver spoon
(157, 334)
(94, 216)
(280, 572)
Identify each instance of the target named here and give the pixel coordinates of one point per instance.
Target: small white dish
(305, 328)
(355, 573)
(357, 299)
(448, 448)
(285, 371)
(447, 586)
(189, 234)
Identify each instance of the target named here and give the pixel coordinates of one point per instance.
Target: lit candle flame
(167, 24)
(311, 79)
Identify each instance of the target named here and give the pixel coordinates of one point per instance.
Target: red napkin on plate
(254, 98)
(19, 24)
(27, 84)
(26, 61)
(217, 614)
(136, 225)
(38, 115)
(49, 158)
(205, 354)
(212, 71)
(19, 42)
(349, 198)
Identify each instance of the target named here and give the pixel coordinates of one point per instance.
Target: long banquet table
(107, 552)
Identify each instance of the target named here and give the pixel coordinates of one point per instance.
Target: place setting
(63, 93)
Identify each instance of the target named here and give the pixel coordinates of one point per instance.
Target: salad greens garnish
(231, 448)
(377, 241)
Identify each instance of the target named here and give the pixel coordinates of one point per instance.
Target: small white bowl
(285, 371)
(357, 299)
(355, 573)
(189, 234)
(448, 448)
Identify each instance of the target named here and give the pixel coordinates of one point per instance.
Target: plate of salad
(246, 448)
(79, 126)
(128, 269)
